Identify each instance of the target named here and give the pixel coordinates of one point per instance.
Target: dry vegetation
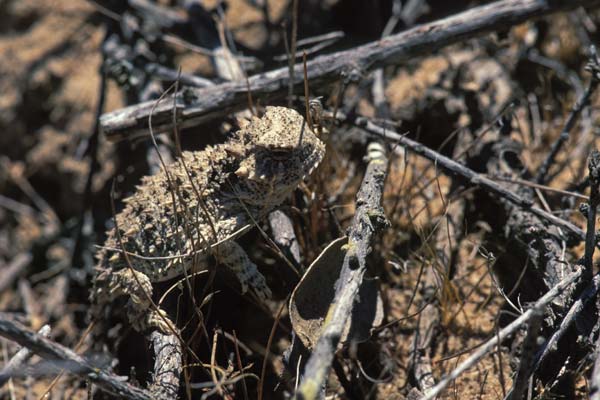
(455, 264)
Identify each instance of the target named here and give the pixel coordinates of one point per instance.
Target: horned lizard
(219, 192)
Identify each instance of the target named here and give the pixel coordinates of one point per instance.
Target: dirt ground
(55, 203)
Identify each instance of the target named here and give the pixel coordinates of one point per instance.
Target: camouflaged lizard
(197, 206)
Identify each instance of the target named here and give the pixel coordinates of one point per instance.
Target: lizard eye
(281, 154)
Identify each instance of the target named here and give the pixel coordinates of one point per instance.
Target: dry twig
(70, 360)
(471, 177)
(582, 102)
(9, 273)
(538, 307)
(369, 217)
(167, 365)
(196, 106)
(526, 362)
(20, 358)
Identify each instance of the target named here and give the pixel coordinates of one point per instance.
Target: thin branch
(167, 74)
(595, 379)
(70, 360)
(196, 106)
(580, 104)
(538, 307)
(369, 217)
(92, 151)
(590, 238)
(20, 358)
(590, 244)
(167, 365)
(17, 267)
(471, 177)
(324, 40)
(527, 357)
(578, 306)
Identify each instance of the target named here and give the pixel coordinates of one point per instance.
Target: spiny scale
(215, 191)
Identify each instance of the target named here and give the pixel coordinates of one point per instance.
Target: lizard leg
(233, 256)
(141, 313)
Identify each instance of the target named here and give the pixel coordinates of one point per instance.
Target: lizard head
(280, 151)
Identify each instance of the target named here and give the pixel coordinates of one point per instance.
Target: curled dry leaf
(314, 296)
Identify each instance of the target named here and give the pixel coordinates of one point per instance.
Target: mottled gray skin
(219, 193)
